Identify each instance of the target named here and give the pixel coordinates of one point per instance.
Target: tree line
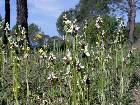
(88, 9)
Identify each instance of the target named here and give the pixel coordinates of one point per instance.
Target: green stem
(74, 69)
(121, 76)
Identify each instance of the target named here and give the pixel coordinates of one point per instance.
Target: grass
(82, 75)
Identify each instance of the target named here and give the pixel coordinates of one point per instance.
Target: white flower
(25, 55)
(7, 28)
(86, 80)
(28, 48)
(68, 70)
(77, 28)
(52, 78)
(41, 51)
(87, 54)
(15, 44)
(68, 54)
(97, 25)
(51, 75)
(82, 44)
(23, 31)
(103, 32)
(73, 28)
(44, 55)
(109, 57)
(78, 65)
(68, 22)
(133, 48)
(86, 23)
(102, 45)
(70, 27)
(86, 51)
(98, 21)
(19, 27)
(10, 38)
(52, 57)
(68, 57)
(65, 16)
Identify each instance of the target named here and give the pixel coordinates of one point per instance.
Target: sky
(44, 13)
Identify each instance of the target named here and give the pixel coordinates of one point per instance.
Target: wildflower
(10, 38)
(68, 57)
(129, 53)
(86, 80)
(18, 39)
(67, 22)
(102, 45)
(97, 25)
(26, 55)
(19, 27)
(23, 31)
(127, 58)
(133, 48)
(85, 26)
(11, 46)
(22, 48)
(68, 70)
(15, 44)
(118, 19)
(82, 44)
(97, 44)
(86, 53)
(7, 28)
(72, 29)
(52, 78)
(28, 48)
(108, 57)
(121, 24)
(41, 51)
(65, 17)
(84, 47)
(43, 55)
(63, 37)
(79, 66)
(98, 22)
(52, 57)
(103, 32)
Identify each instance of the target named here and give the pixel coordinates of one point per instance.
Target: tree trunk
(22, 15)
(7, 19)
(7, 12)
(131, 19)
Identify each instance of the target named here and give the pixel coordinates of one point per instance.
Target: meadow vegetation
(91, 70)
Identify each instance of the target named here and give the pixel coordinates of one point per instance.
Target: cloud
(50, 7)
(45, 12)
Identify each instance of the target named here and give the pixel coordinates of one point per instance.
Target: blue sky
(42, 12)
(45, 12)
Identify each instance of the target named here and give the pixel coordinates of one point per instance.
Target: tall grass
(80, 75)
